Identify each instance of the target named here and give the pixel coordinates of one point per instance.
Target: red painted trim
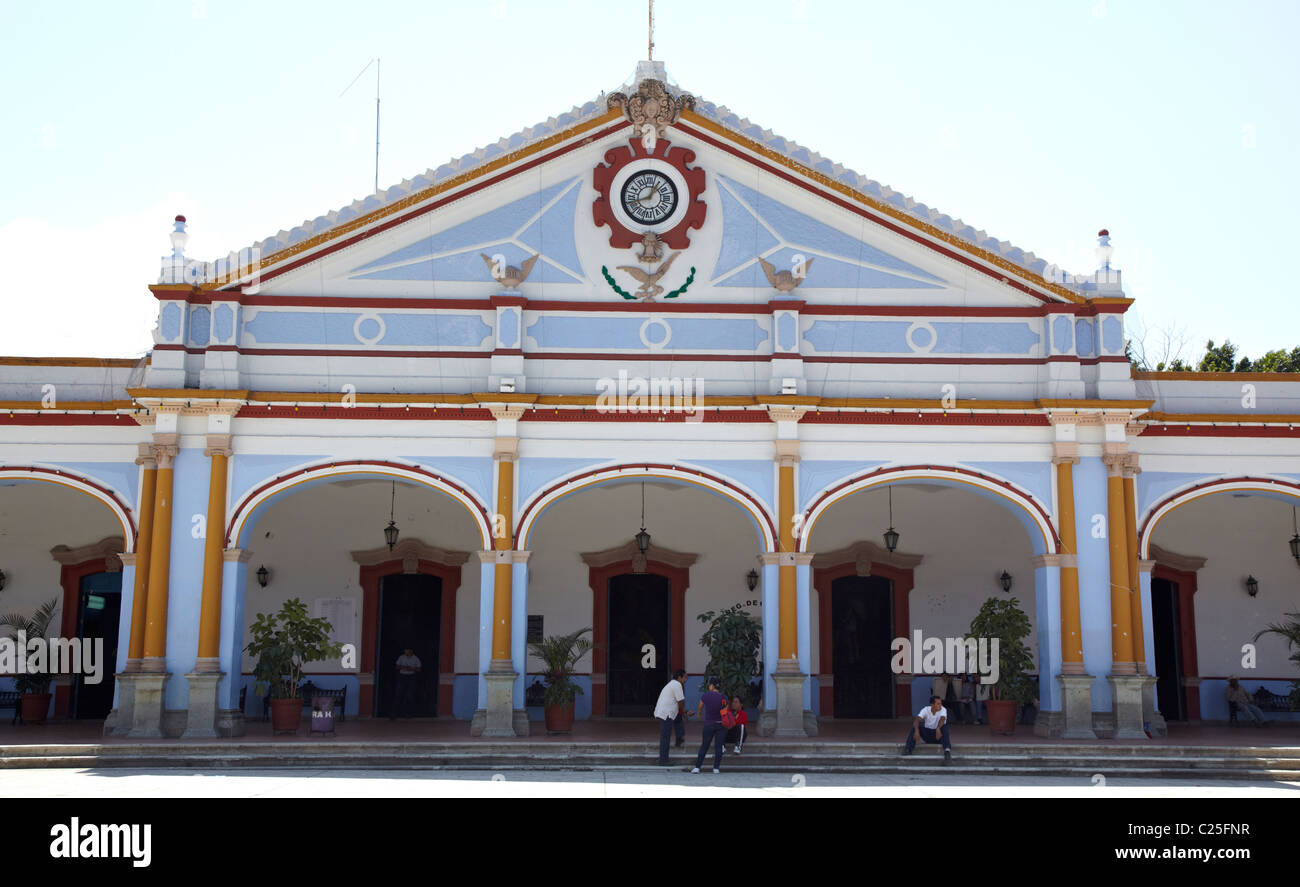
(70, 576)
(858, 210)
(679, 580)
(426, 302)
(370, 581)
(1220, 431)
(621, 156)
(402, 218)
(1185, 580)
(911, 417)
(389, 413)
(501, 300)
(50, 472)
(647, 466)
(902, 582)
(362, 352)
(122, 420)
(1293, 488)
(359, 466)
(1017, 494)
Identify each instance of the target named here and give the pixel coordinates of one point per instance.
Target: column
(792, 693)
(201, 721)
(120, 721)
(1126, 684)
(486, 599)
(230, 662)
(152, 678)
(1075, 720)
(1151, 718)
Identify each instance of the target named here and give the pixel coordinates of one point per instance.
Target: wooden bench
(1266, 700)
(309, 690)
(12, 699)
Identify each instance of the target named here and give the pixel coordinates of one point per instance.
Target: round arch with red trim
(1021, 502)
(245, 512)
(764, 523)
(81, 484)
(1275, 488)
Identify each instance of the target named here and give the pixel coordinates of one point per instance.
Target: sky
(1175, 125)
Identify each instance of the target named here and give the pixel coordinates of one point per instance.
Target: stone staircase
(991, 759)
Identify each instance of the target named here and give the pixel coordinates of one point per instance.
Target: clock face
(649, 197)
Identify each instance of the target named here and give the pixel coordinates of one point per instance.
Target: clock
(649, 197)
(641, 191)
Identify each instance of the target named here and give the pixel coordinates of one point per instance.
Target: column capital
(219, 445)
(500, 556)
(506, 449)
(1131, 468)
(769, 558)
(784, 413)
(803, 559)
(1146, 566)
(1050, 560)
(787, 452)
(127, 558)
(146, 458)
(236, 555)
(510, 412)
(1065, 451)
(166, 445)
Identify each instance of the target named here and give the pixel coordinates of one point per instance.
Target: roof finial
(1104, 250)
(650, 48)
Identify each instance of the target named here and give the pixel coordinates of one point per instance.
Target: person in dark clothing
(711, 704)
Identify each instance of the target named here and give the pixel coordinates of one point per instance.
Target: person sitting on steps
(931, 726)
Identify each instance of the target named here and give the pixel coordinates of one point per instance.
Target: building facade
(647, 314)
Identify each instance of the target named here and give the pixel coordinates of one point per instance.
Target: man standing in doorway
(930, 725)
(671, 712)
(408, 669)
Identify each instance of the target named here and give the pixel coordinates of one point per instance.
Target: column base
(146, 690)
(1126, 691)
(119, 720)
(1153, 719)
(499, 714)
(230, 723)
(1076, 706)
(790, 717)
(201, 719)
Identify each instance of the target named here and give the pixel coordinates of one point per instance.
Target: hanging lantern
(891, 535)
(390, 531)
(1295, 539)
(642, 538)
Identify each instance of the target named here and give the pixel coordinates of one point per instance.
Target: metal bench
(1266, 700)
(12, 699)
(309, 690)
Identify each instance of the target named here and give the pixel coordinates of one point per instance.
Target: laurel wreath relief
(690, 278)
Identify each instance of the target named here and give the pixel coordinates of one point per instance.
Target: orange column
(1134, 583)
(503, 533)
(218, 450)
(153, 655)
(1071, 622)
(1121, 610)
(143, 546)
(787, 583)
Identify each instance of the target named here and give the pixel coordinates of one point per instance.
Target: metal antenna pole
(650, 49)
(377, 63)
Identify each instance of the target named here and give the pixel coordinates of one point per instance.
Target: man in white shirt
(408, 667)
(930, 725)
(671, 712)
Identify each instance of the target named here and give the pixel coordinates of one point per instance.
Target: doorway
(638, 643)
(861, 631)
(99, 609)
(410, 615)
(1166, 630)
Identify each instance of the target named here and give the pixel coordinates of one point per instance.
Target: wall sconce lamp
(263, 575)
(1252, 586)
(1005, 581)
(751, 579)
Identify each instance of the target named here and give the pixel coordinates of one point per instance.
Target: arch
(1273, 488)
(1031, 512)
(250, 507)
(81, 484)
(763, 521)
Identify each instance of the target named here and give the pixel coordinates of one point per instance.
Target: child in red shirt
(736, 735)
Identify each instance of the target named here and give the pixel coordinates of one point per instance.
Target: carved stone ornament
(651, 105)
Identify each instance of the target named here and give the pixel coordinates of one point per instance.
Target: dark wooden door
(99, 612)
(862, 629)
(1166, 630)
(638, 617)
(410, 615)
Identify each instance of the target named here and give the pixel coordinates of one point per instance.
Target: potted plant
(733, 639)
(34, 688)
(560, 654)
(1290, 630)
(1002, 619)
(283, 644)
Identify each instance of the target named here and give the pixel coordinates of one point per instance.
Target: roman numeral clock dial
(649, 197)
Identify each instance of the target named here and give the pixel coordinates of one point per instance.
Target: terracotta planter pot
(559, 718)
(286, 715)
(1002, 716)
(34, 707)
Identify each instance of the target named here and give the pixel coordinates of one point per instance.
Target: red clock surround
(616, 159)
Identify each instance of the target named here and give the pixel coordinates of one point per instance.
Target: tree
(1218, 359)
(1279, 361)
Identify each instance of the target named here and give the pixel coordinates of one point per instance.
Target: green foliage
(1218, 359)
(1279, 361)
(734, 640)
(1290, 631)
(34, 626)
(284, 643)
(561, 653)
(1003, 619)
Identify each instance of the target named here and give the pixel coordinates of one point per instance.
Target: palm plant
(1290, 630)
(561, 653)
(34, 626)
